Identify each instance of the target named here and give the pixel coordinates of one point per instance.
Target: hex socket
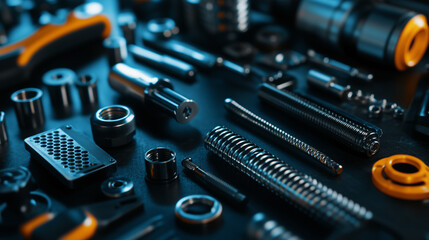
(59, 82)
(160, 165)
(28, 108)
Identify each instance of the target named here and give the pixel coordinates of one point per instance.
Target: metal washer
(198, 219)
(116, 187)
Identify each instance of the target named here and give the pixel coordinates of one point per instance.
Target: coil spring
(357, 136)
(262, 228)
(299, 189)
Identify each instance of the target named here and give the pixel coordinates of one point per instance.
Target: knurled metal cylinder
(297, 188)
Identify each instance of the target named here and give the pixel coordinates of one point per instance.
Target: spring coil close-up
(299, 189)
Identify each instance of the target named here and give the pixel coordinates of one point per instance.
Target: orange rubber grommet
(402, 176)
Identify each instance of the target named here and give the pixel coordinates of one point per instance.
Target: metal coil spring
(299, 189)
(262, 228)
(356, 135)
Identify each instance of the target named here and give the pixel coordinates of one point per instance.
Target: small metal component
(171, 65)
(350, 132)
(375, 111)
(262, 228)
(138, 84)
(309, 195)
(327, 83)
(337, 66)
(279, 79)
(116, 47)
(3, 35)
(69, 155)
(144, 229)
(398, 112)
(160, 165)
(3, 132)
(162, 28)
(282, 60)
(239, 50)
(127, 22)
(113, 126)
(87, 87)
(242, 70)
(116, 187)
(272, 37)
(218, 186)
(184, 215)
(278, 134)
(29, 108)
(59, 82)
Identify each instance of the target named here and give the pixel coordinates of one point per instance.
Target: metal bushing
(59, 82)
(116, 47)
(128, 23)
(29, 108)
(160, 165)
(272, 38)
(113, 126)
(87, 87)
(162, 28)
(187, 215)
(3, 132)
(116, 187)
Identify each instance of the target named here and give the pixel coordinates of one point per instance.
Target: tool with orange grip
(83, 24)
(80, 223)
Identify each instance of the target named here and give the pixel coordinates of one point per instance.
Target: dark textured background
(409, 218)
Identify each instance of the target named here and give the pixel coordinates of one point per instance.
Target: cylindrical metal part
(127, 22)
(59, 82)
(3, 131)
(173, 66)
(162, 28)
(87, 86)
(140, 85)
(113, 126)
(116, 47)
(116, 187)
(28, 108)
(262, 228)
(326, 83)
(160, 165)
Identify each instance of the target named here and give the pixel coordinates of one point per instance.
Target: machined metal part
(128, 24)
(87, 86)
(116, 47)
(375, 111)
(282, 60)
(29, 108)
(182, 213)
(272, 37)
(144, 229)
(262, 228)
(3, 131)
(278, 134)
(160, 165)
(328, 83)
(69, 155)
(162, 28)
(113, 126)
(173, 66)
(59, 82)
(241, 70)
(140, 85)
(116, 187)
(217, 185)
(337, 66)
(278, 79)
(239, 50)
(350, 132)
(312, 197)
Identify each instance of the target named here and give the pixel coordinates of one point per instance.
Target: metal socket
(28, 108)
(87, 87)
(59, 82)
(113, 126)
(160, 165)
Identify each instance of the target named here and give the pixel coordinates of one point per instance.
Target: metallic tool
(402, 176)
(214, 183)
(184, 215)
(338, 67)
(59, 82)
(116, 187)
(128, 24)
(173, 66)
(3, 132)
(84, 24)
(82, 222)
(138, 84)
(69, 155)
(356, 134)
(262, 228)
(116, 48)
(278, 134)
(113, 126)
(87, 86)
(306, 193)
(29, 108)
(160, 165)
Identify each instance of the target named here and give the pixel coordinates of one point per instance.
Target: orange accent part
(85, 231)
(51, 32)
(412, 43)
(408, 186)
(28, 227)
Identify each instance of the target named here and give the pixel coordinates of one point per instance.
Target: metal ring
(28, 108)
(200, 219)
(116, 187)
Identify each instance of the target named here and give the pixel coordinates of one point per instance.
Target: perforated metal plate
(68, 154)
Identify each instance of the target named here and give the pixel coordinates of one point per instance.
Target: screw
(357, 134)
(256, 121)
(299, 189)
